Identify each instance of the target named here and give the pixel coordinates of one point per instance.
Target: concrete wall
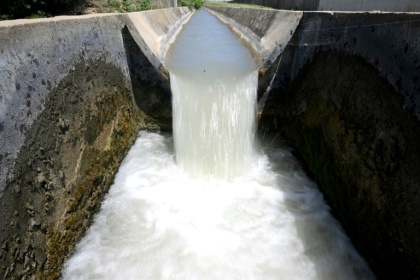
(302, 5)
(369, 5)
(69, 111)
(339, 5)
(267, 38)
(345, 91)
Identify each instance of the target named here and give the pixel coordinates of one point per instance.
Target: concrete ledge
(157, 29)
(266, 31)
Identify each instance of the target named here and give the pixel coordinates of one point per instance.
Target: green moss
(98, 174)
(314, 151)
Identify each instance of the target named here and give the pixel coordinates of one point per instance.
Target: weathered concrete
(345, 91)
(68, 114)
(267, 32)
(339, 5)
(157, 34)
(147, 38)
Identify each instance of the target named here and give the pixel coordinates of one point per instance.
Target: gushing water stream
(213, 82)
(206, 203)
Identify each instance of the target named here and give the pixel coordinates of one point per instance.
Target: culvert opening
(208, 202)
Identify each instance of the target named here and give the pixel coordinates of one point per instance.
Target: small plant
(114, 4)
(144, 5)
(126, 5)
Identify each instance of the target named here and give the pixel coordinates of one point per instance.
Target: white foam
(225, 211)
(157, 223)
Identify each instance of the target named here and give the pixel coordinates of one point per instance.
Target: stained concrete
(345, 92)
(70, 109)
(37, 54)
(388, 41)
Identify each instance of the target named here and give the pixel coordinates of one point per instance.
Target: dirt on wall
(362, 146)
(66, 166)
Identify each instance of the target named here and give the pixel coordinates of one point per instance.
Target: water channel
(211, 201)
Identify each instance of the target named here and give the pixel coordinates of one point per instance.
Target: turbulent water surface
(207, 203)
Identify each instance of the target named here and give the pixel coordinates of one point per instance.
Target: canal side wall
(339, 5)
(69, 112)
(74, 91)
(266, 32)
(345, 91)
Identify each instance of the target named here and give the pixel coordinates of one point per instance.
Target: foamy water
(158, 223)
(209, 203)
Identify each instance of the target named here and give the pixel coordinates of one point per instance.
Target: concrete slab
(267, 32)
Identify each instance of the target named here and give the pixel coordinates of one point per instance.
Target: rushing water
(213, 82)
(171, 216)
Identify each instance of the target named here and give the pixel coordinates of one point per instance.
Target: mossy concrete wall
(345, 91)
(69, 112)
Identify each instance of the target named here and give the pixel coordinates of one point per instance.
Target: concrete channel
(343, 87)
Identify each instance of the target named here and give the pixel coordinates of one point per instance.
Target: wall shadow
(151, 87)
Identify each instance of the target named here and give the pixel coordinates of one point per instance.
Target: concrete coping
(17, 22)
(157, 29)
(154, 31)
(266, 31)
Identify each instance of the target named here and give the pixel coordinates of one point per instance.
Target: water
(213, 82)
(168, 216)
